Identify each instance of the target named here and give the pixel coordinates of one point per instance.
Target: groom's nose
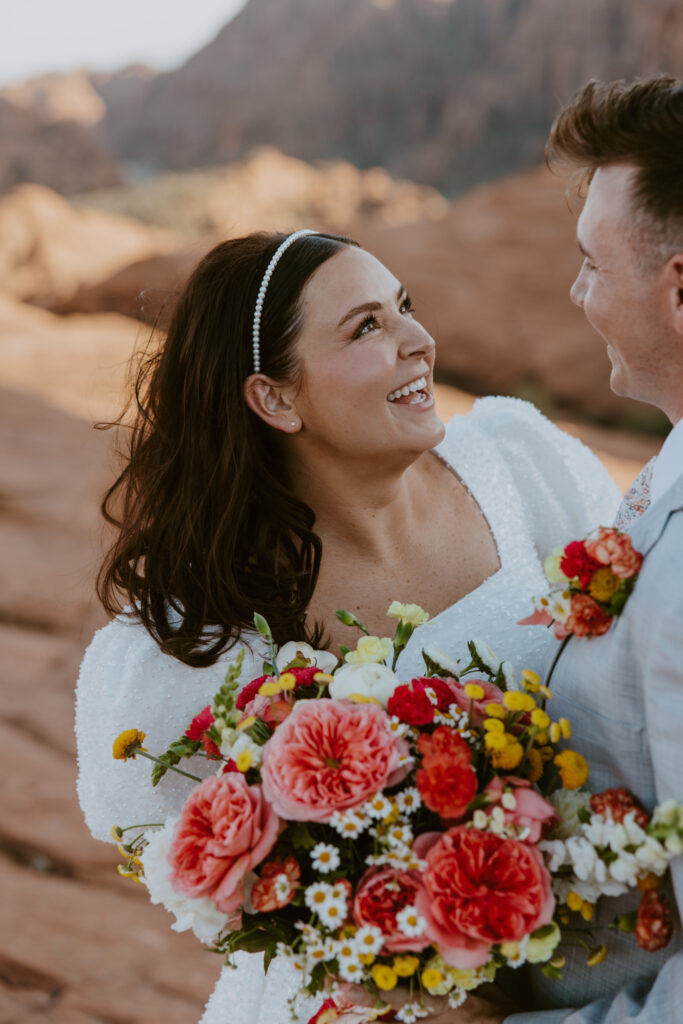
(577, 291)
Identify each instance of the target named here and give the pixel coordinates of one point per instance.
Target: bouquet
(382, 833)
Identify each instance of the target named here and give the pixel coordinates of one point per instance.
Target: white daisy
(411, 1012)
(325, 857)
(456, 997)
(410, 923)
(397, 727)
(349, 824)
(400, 834)
(351, 970)
(316, 895)
(333, 912)
(409, 800)
(369, 939)
(378, 807)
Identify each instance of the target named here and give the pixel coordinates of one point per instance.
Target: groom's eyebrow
(367, 307)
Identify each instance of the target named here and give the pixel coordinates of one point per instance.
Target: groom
(623, 692)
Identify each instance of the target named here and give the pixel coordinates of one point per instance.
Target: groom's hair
(639, 123)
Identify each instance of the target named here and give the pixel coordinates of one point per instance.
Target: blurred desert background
(414, 126)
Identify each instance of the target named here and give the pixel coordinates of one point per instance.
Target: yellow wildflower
(508, 758)
(574, 901)
(404, 966)
(127, 744)
(587, 911)
(366, 958)
(431, 977)
(412, 614)
(542, 739)
(493, 725)
(515, 700)
(603, 585)
(555, 733)
(545, 692)
(474, 691)
(565, 728)
(323, 678)
(573, 769)
(495, 711)
(531, 680)
(547, 753)
(495, 741)
(116, 832)
(598, 955)
(384, 977)
(370, 649)
(244, 761)
(269, 689)
(287, 681)
(539, 718)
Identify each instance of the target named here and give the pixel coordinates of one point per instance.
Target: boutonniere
(591, 581)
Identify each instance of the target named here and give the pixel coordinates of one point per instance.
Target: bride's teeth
(405, 390)
(417, 385)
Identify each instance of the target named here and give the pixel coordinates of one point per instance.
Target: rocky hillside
(444, 92)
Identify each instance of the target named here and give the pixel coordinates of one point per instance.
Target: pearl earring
(292, 423)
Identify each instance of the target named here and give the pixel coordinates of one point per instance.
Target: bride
(287, 458)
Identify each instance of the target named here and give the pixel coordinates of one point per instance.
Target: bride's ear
(268, 400)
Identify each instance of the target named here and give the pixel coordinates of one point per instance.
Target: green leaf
(260, 732)
(584, 815)
(262, 627)
(551, 972)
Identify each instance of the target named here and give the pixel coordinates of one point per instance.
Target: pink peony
(616, 550)
(531, 810)
(225, 829)
(480, 889)
(329, 756)
(383, 893)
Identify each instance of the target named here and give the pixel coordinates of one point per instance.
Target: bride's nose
(416, 341)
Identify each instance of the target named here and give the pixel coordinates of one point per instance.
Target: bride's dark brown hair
(208, 530)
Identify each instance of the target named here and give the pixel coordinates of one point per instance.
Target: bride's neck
(359, 503)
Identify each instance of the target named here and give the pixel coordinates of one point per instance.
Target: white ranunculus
(368, 680)
(568, 803)
(201, 915)
(292, 649)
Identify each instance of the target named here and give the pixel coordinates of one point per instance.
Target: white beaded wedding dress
(537, 487)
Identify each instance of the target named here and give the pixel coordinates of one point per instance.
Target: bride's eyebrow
(368, 307)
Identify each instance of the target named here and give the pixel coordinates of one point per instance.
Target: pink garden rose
(382, 893)
(480, 889)
(531, 810)
(328, 756)
(492, 695)
(225, 829)
(616, 550)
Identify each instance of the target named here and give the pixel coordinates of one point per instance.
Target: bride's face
(366, 380)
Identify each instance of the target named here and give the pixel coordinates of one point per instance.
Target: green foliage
(183, 747)
(350, 620)
(260, 732)
(435, 669)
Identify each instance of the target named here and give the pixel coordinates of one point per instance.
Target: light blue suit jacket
(623, 694)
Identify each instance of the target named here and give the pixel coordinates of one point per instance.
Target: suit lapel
(647, 530)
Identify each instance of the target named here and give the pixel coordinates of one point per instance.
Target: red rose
(200, 723)
(446, 779)
(266, 894)
(411, 704)
(654, 926)
(618, 802)
(480, 889)
(586, 617)
(383, 893)
(576, 561)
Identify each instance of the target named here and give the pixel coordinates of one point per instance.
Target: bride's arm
(126, 682)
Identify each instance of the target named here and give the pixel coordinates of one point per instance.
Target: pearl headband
(256, 331)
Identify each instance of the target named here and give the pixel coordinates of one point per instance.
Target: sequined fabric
(536, 486)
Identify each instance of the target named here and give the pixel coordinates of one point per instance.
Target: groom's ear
(676, 272)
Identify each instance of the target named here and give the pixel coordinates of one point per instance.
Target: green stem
(170, 767)
(149, 824)
(556, 659)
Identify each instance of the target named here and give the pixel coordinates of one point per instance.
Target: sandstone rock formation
(48, 249)
(443, 92)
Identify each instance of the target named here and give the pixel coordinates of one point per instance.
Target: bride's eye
(406, 305)
(368, 322)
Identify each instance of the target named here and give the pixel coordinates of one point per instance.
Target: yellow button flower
(565, 728)
(573, 769)
(598, 955)
(493, 725)
(495, 711)
(245, 723)
(384, 977)
(474, 691)
(370, 649)
(244, 761)
(269, 689)
(535, 765)
(603, 585)
(515, 700)
(539, 718)
(405, 966)
(287, 681)
(555, 733)
(127, 744)
(542, 739)
(431, 977)
(531, 680)
(574, 901)
(508, 758)
(366, 958)
(495, 741)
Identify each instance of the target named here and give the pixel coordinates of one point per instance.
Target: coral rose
(616, 550)
(531, 811)
(586, 618)
(225, 829)
(329, 756)
(446, 779)
(481, 889)
(383, 893)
